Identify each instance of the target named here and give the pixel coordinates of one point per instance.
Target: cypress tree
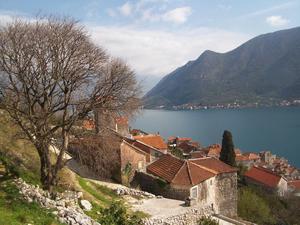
(227, 154)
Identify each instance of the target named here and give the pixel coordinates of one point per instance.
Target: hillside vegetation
(18, 158)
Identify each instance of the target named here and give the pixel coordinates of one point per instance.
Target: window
(194, 192)
(140, 165)
(211, 182)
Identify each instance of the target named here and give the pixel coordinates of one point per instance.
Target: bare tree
(51, 71)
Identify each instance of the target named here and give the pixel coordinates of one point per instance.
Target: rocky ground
(65, 205)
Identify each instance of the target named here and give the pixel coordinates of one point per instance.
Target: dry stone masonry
(65, 205)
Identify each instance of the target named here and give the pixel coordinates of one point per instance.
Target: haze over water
(275, 129)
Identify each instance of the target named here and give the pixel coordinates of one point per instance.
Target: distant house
(294, 187)
(267, 179)
(153, 140)
(208, 181)
(175, 141)
(247, 159)
(187, 148)
(267, 156)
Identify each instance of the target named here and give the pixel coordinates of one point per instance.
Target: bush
(207, 220)
(254, 208)
(117, 214)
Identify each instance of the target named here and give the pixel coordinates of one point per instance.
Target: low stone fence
(191, 217)
(133, 192)
(65, 205)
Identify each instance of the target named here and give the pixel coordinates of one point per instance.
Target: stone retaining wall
(65, 204)
(191, 217)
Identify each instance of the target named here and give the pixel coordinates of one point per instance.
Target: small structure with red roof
(267, 179)
(208, 181)
(153, 140)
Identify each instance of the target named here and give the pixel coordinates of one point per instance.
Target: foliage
(227, 154)
(177, 152)
(102, 195)
(254, 208)
(207, 220)
(283, 210)
(117, 214)
(126, 174)
(16, 211)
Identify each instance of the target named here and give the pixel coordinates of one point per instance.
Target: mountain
(264, 68)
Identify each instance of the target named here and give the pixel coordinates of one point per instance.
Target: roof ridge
(178, 170)
(135, 147)
(207, 169)
(189, 172)
(149, 146)
(267, 171)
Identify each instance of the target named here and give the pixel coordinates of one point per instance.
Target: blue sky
(157, 36)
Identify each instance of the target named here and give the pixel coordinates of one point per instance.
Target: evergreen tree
(227, 154)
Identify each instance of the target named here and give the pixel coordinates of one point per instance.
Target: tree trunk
(48, 175)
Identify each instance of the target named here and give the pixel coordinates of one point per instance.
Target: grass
(15, 211)
(102, 195)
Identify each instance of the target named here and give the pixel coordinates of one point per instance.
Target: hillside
(19, 159)
(265, 67)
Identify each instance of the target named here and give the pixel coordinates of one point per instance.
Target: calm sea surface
(275, 129)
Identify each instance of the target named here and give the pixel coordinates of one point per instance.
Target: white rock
(86, 205)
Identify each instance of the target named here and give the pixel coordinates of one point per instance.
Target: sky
(156, 36)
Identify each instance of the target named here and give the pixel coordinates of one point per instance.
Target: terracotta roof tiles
(263, 176)
(155, 141)
(187, 172)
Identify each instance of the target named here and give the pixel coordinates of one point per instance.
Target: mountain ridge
(265, 67)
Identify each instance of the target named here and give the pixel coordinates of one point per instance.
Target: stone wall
(226, 194)
(134, 156)
(154, 185)
(65, 205)
(191, 218)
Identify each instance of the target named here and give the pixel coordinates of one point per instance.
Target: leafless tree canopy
(51, 69)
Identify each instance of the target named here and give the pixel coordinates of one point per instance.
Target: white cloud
(276, 21)
(126, 9)
(178, 15)
(156, 53)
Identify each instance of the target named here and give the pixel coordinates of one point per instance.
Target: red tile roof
(295, 184)
(263, 176)
(198, 154)
(186, 147)
(155, 141)
(143, 147)
(187, 172)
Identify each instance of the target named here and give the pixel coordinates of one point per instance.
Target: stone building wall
(157, 186)
(206, 192)
(226, 194)
(135, 157)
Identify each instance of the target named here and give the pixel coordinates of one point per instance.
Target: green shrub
(207, 220)
(254, 208)
(117, 214)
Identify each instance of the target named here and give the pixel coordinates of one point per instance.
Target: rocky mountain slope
(265, 67)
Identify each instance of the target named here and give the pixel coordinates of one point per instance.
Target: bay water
(254, 129)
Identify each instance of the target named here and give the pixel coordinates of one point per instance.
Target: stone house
(207, 181)
(267, 179)
(138, 155)
(247, 159)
